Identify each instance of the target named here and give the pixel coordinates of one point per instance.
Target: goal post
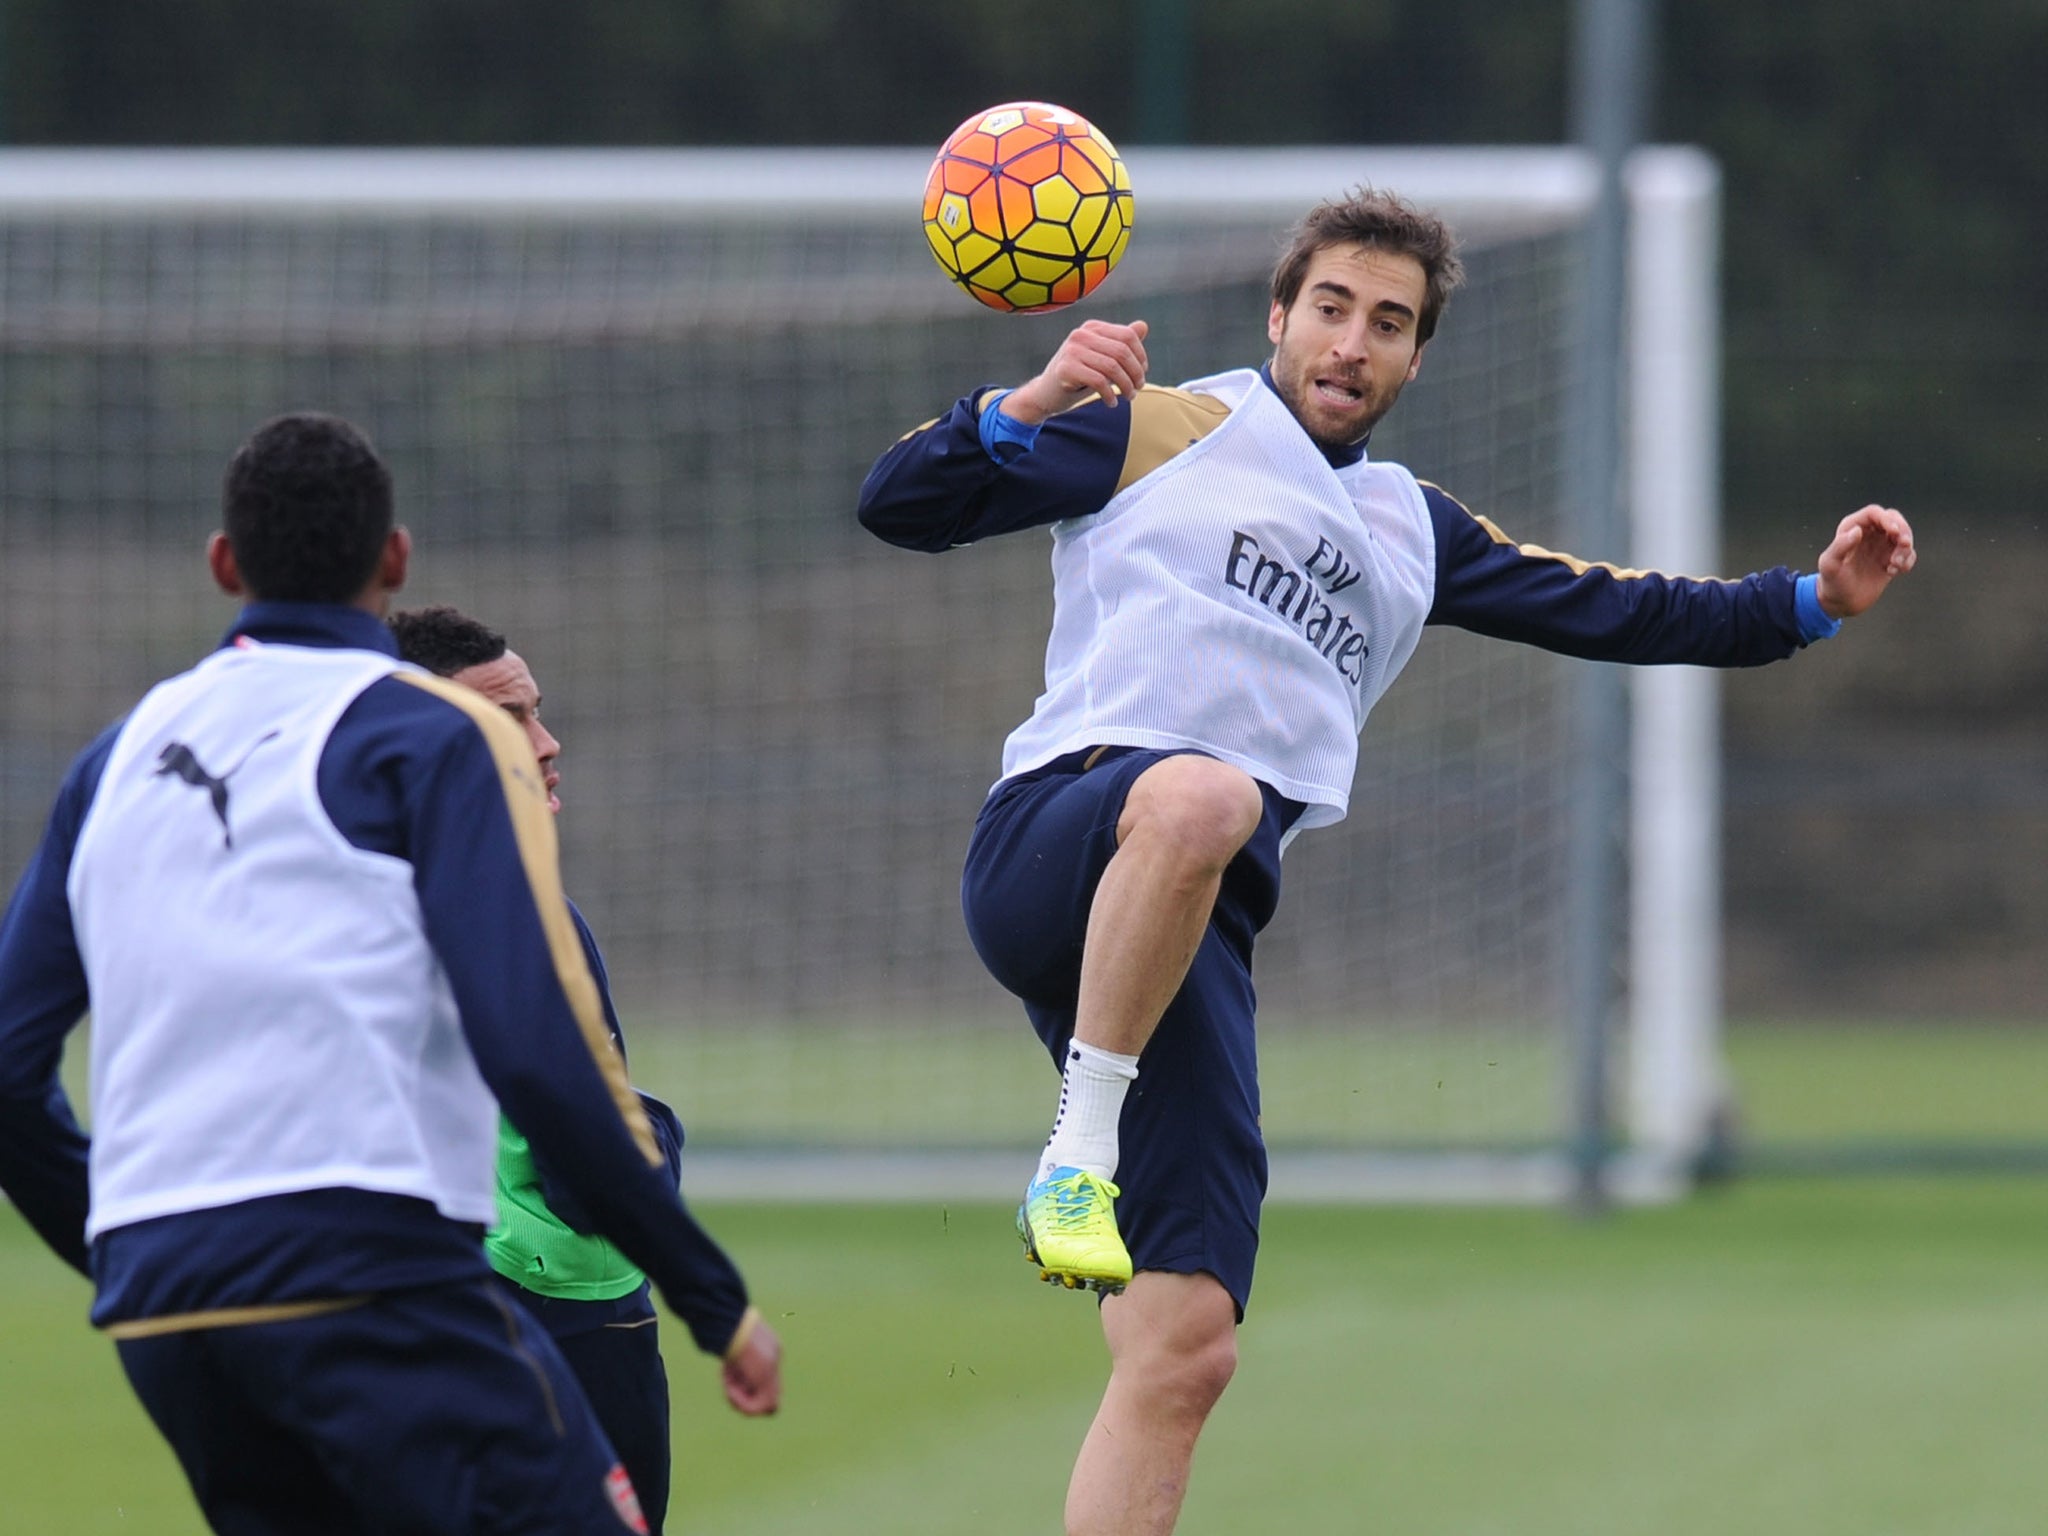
(629, 396)
(1678, 1090)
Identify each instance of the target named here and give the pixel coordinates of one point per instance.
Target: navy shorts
(436, 1410)
(614, 1347)
(1193, 1168)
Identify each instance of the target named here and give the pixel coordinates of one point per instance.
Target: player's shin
(1092, 1088)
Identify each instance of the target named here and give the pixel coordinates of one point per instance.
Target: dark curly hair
(306, 505)
(444, 640)
(1383, 222)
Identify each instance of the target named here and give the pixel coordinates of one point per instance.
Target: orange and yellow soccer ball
(1027, 206)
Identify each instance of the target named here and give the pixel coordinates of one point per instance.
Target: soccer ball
(1028, 206)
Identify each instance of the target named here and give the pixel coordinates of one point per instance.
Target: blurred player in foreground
(310, 896)
(1235, 584)
(592, 1300)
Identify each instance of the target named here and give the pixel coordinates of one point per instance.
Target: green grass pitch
(1949, 1084)
(1799, 1357)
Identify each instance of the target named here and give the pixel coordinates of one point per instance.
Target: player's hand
(753, 1373)
(1098, 357)
(1870, 547)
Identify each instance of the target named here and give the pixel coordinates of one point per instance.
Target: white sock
(1092, 1089)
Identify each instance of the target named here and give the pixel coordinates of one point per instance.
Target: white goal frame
(1676, 1082)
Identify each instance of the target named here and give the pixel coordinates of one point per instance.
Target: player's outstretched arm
(1099, 357)
(1491, 585)
(1871, 546)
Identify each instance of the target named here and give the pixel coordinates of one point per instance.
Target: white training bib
(1245, 599)
(268, 1016)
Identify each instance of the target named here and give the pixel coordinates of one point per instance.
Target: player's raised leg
(1185, 818)
(1173, 1348)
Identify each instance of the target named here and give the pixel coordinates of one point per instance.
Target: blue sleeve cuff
(1814, 623)
(1000, 431)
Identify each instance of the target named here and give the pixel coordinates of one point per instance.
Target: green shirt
(534, 1248)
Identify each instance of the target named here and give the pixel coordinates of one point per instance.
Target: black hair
(306, 505)
(445, 640)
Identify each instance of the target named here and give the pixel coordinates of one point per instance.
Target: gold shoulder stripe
(1571, 563)
(1166, 422)
(533, 825)
(1431, 485)
(231, 1317)
(1537, 551)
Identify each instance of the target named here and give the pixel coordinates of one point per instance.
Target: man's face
(1345, 346)
(508, 684)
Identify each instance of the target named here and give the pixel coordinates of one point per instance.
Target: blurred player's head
(1355, 299)
(445, 640)
(306, 512)
(451, 644)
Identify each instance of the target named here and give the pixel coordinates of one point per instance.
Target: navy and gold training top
(947, 484)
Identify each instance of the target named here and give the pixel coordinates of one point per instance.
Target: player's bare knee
(1204, 809)
(1187, 1381)
(1210, 1370)
(1181, 1352)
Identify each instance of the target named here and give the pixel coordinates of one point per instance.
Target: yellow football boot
(1068, 1223)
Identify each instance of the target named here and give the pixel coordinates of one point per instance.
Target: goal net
(629, 398)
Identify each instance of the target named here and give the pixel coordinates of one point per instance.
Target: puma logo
(176, 758)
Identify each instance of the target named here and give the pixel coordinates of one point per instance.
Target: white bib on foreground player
(208, 882)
